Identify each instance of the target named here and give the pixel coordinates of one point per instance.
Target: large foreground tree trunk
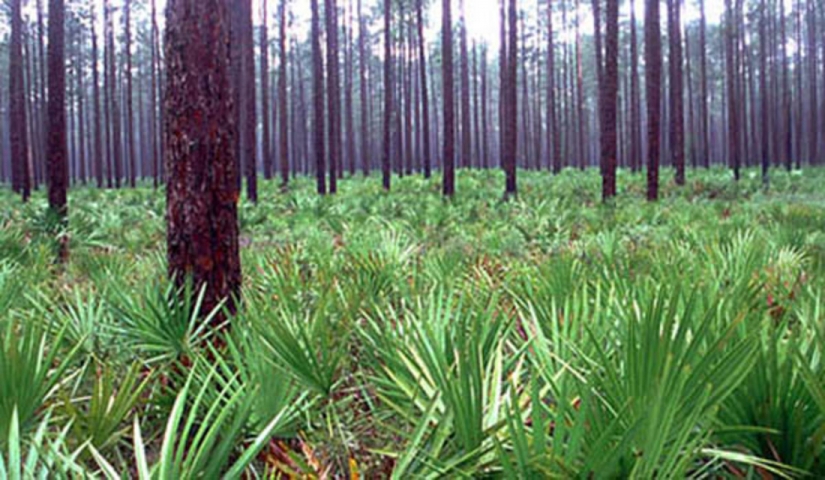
(202, 195)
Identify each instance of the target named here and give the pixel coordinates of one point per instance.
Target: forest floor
(399, 332)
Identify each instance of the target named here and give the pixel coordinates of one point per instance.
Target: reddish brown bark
(57, 152)
(130, 114)
(202, 217)
(466, 139)
(635, 102)
(609, 89)
(333, 93)
(554, 148)
(266, 154)
(388, 94)
(677, 117)
(425, 100)
(282, 99)
(653, 75)
(448, 186)
(511, 100)
(18, 134)
(98, 134)
(318, 101)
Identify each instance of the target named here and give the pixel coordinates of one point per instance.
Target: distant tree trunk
(705, 131)
(57, 151)
(81, 93)
(466, 139)
(202, 216)
(476, 108)
(388, 95)
(116, 145)
(425, 100)
(813, 86)
(609, 102)
(333, 93)
(554, 147)
(366, 146)
(677, 116)
(733, 110)
(502, 71)
(449, 107)
(786, 122)
(635, 102)
(349, 115)
(18, 135)
(485, 141)
(156, 162)
(653, 76)
(318, 101)
(283, 123)
(583, 158)
(98, 134)
(247, 88)
(39, 150)
(266, 154)
(763, 90)
(511, 94)
(130, 114)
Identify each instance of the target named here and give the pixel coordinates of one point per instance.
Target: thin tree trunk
(282, 99)
(425, 100)
(733, 111)
(705, 131)
(81, 92)
(57, 151)
(266, 153)
(511, 93)
(388, 96)
(653, 75)
(677, 116)
(18, 134)
(247, 90)
(349, 123)
(609, 102)
(333, 93)
(318, 101)
(554, 148)
(98, 134)
(449, 107)
(635, 101)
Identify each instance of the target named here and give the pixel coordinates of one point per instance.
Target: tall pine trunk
(283, 123)
(318, 101)
(333, 93)
(448, 187)
(57, 153)
(609, 102)
(266, 154)
(653, 76)
(18, 135)
(202, 212)
(388, 97)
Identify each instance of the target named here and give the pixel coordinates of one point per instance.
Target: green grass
(402, 335)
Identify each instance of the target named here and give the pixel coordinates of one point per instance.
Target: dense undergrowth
(400, 335)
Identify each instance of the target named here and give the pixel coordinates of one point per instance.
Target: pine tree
(202, 195)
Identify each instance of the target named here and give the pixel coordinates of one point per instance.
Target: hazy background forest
(791, 69)
(412, 239)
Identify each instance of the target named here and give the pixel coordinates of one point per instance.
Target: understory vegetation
(401, 335)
